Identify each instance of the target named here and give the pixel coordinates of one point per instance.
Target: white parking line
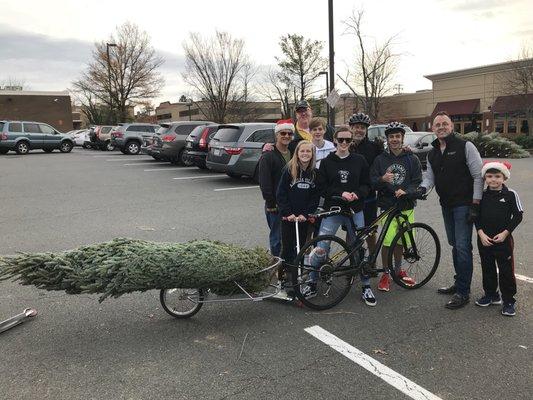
(200, 177)
(125, 159)
(390, 376)
(164, 169)
(152, 163)
(236, 188)
(524, 278)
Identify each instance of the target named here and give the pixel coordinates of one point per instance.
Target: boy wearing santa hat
(500, 213)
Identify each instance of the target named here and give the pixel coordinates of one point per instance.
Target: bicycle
(334, 275)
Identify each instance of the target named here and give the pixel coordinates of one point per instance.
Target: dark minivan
(236, 148)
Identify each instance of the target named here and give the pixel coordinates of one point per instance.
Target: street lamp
(189, 104)
(327, 93)
(108, 45)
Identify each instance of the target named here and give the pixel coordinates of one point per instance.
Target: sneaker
(384, 283)
(488, 300)
(309, 291)
(508, 309)
(406, 278)
(368, 296)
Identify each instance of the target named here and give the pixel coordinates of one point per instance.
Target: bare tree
(214, 67)
(519, 82)
(276, 87)
(12, 83)
(300, 63)
(370, 79)
(96, 112)
(127, 76)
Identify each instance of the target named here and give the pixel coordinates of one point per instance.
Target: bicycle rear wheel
(328, 282)
(420, 248)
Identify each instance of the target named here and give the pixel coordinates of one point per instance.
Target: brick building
(53, 108)
(476, 98)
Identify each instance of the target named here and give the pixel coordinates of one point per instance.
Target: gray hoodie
(407, 176)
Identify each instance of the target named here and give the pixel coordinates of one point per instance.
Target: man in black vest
(454, 168)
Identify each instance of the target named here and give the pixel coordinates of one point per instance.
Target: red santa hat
(284, 125)
(504, 167)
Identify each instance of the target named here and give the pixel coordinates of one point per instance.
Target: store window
(498, 126)
(511, 126)
(524, 127)
(457, 128)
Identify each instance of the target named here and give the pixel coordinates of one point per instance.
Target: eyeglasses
(344, 139)
(285, 133)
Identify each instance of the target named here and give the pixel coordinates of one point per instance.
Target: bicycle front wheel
(420, 249)
(322, 280)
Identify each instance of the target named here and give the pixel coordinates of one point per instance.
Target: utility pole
(331, 59)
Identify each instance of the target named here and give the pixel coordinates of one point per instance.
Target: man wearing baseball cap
(304, 113)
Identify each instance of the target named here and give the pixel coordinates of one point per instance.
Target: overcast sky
(48, 43)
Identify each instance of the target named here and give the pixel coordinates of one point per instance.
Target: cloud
(46, 63)
(477, 5)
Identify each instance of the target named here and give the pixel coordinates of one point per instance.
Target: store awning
(459, 107)
(512, 104)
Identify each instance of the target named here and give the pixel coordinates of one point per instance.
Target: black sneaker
(457, 301)
(508, 309)
(447, 290)
(488, 300)
(368, 297)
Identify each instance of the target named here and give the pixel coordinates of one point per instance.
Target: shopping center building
(478, 99)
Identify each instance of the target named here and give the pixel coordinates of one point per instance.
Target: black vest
(453, 180)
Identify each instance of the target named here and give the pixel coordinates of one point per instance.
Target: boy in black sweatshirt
(500, 213)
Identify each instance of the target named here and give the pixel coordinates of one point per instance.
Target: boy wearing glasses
(345, 175)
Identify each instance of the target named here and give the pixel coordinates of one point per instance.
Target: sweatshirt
(499, 210)
(407, 176)
(323, 151)
(271, 165)
(337, 175)
(299, 197)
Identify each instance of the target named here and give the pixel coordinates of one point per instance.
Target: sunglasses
(344, 139)
(285, 133)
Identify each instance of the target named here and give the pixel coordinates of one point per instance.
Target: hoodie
(337, 175)
(407, 176)
(299, 197)
(323, 152)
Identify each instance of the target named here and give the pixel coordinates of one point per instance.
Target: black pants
(501, 254)
(288, 243)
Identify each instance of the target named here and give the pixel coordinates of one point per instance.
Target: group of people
(310, 165)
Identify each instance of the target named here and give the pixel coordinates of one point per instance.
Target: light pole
(331, 55)
(189, 104)
(108, 45)
(327, 93)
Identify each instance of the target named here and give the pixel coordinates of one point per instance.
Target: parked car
(128, 138)
(80, 137)
(146, 147)
(103, 137)
(197, 144)
(236, 148)
(23, 136)
(169, 145)
(378, 132)
(420, 144)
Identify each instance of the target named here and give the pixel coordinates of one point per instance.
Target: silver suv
(128, 138)
(23, 136)
(236, 148)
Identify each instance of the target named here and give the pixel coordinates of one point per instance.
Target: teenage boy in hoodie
(345, 175)
(394, 174)
(271, 165)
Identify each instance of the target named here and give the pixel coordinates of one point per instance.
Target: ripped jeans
(329, 226)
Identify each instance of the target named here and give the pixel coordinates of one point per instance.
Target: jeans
(329, 226)
(459, 234)
(274, 224)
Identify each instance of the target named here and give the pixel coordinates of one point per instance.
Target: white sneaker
(368, 297)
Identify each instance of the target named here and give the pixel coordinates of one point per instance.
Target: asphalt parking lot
(129, 348)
